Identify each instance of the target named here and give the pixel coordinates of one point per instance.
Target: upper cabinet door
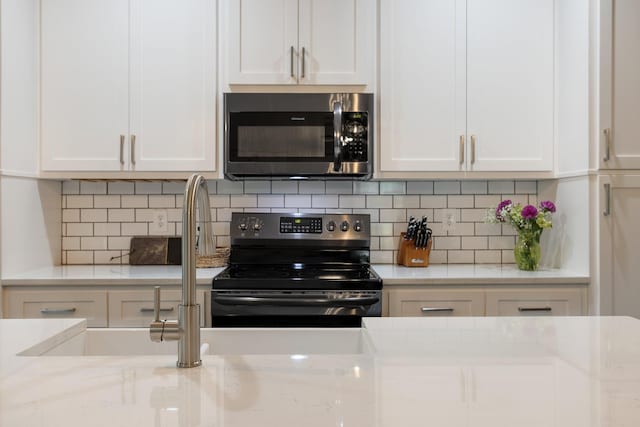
(261, 41)
(620, 85)
(510, 83)
(84, 84)
(422, 85)
(336, 41)
(173, 85)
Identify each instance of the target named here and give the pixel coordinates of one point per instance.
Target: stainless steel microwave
(298, 135)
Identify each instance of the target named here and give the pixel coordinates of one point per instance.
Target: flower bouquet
(529, 222)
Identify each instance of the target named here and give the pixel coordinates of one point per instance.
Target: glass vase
(527, 251)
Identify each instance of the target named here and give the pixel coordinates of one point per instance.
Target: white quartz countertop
(391, 275)
(527, 371)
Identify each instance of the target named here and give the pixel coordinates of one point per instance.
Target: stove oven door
(254, 308)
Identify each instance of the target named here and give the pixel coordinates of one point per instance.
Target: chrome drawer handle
(150, 310)
(607, 145)
(436, 309)
(524, 309)
(607, 200)
(57, 310)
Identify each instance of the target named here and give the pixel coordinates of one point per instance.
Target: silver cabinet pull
(302, 73)
(436, 309)
(133, 149)
(607, 144)
(525, 309)
(461, 149)
(152, 309)
(58, 310)
(122, 149)
(607, 200)
(473, 148)
(291, 66)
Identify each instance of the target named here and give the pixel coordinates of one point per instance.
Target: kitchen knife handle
(461, 149)
(473, 149)
(133, 149)
(122, 149)
(607, 200)
(302, 72)
(291, 65)
(607, 144)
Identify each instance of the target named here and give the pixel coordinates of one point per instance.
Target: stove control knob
(243, 226)
(257, 226)
(331, 226)
(344, 226)
(357, 226)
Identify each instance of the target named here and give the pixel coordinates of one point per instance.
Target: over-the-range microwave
(298, 135)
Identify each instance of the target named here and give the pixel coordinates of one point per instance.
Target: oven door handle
(331, 302)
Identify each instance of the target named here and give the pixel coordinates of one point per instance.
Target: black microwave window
(281, 141)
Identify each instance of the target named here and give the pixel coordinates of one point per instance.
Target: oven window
(281, 141)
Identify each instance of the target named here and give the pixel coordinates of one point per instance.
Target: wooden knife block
(410, 256)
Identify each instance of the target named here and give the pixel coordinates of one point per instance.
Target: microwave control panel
(354, 137)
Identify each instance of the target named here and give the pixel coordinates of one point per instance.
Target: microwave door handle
(337, 136)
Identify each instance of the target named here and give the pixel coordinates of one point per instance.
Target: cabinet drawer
(430, 303)
(91, 305)
(539, 302)
(135, 308)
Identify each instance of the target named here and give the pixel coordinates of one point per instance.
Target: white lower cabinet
(537, 302)
(102, 308)
(56, 304)
(432, 303)
(533, 300)
(135, 308)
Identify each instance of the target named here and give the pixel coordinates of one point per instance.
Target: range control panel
(298, 226)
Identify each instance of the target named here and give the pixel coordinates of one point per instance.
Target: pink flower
(547, 206)
(529, 212)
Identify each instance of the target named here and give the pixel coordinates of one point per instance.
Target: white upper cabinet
(329, 42)
(128, 85)
(619, 84)
(85, 84)
(466, 85)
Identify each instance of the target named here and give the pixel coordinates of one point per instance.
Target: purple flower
(529, 212)
(547, 206)
(503, 204)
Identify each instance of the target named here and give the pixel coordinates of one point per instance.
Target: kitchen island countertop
(552, 371)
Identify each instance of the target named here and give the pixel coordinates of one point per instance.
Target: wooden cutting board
(151, 250)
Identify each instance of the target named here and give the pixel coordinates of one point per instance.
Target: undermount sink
(136, 342)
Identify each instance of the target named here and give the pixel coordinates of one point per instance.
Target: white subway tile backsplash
(93, 215)
(146, 187)
(106, 201)
(420, 187)
(501, 187)
(446, 187)
(122, 215)
(354, 202)
(284, 187)
(162, 201)
(99, 218)
(297, 201)
(120, 187)
(393, 187)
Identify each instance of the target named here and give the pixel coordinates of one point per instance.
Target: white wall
(567, 244)
(18, 84)
(572, 86)
(30, 230)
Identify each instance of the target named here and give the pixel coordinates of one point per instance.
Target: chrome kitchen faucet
(186, 329)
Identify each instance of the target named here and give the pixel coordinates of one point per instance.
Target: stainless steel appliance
(298, 135)
(297, 270)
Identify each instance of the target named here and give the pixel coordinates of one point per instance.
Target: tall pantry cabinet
(618, 151)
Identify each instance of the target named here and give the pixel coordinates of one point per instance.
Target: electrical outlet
(449, 220)
(159, 224)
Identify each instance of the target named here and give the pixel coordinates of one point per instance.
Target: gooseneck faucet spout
(186, 329)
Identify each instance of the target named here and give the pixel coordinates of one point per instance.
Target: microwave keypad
(355, 137)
